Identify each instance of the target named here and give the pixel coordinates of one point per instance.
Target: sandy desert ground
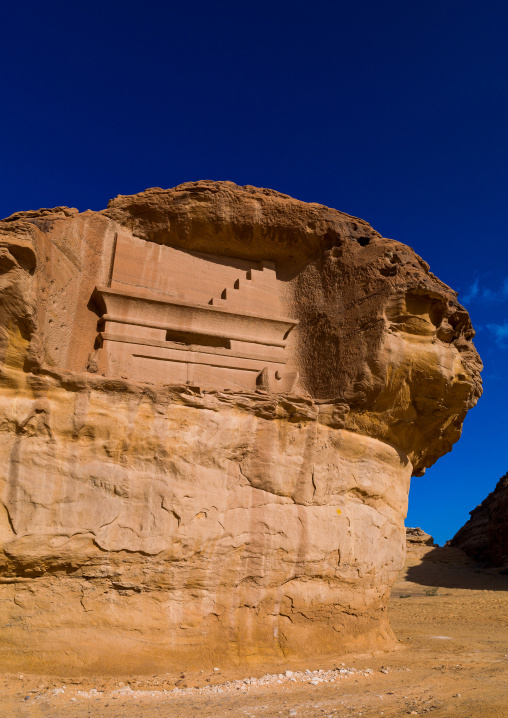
(449, 614)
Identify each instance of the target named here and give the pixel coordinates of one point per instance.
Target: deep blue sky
(392, 111)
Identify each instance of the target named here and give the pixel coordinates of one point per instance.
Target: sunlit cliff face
(432, 373)
(180, 522)
(16, 301)
(385, 342)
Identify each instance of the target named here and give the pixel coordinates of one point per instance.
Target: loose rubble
(269, 679)
(244, 685)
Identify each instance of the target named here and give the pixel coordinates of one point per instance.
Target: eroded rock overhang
(212, 400)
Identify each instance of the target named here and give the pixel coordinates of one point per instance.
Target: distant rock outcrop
(418, 537)
(418, 543)
(212, 399)
(484, 536)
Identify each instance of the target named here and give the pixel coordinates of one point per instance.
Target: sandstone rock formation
(484, 536)
(212, 399)
(418, 543)
(418, 537)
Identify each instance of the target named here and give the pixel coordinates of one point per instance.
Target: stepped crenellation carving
(157, 325)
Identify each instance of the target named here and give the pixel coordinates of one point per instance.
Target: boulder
(212, 400)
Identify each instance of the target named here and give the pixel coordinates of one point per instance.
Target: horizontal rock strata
(484, 536)
(418, 537)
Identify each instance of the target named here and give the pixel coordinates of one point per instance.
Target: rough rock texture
(418, 543)
(149, 524)
(418, 537)
(484, 536)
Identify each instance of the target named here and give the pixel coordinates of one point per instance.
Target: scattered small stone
(313, 678)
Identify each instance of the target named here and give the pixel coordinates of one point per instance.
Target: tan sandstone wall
(203, 527)
(146, 525)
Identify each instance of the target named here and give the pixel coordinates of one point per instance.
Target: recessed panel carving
(171, 316)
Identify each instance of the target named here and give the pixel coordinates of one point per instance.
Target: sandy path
(452, 663)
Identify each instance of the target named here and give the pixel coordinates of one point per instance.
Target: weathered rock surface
(418, 543)
(484, 536)
(418, 537)
(253, 510)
